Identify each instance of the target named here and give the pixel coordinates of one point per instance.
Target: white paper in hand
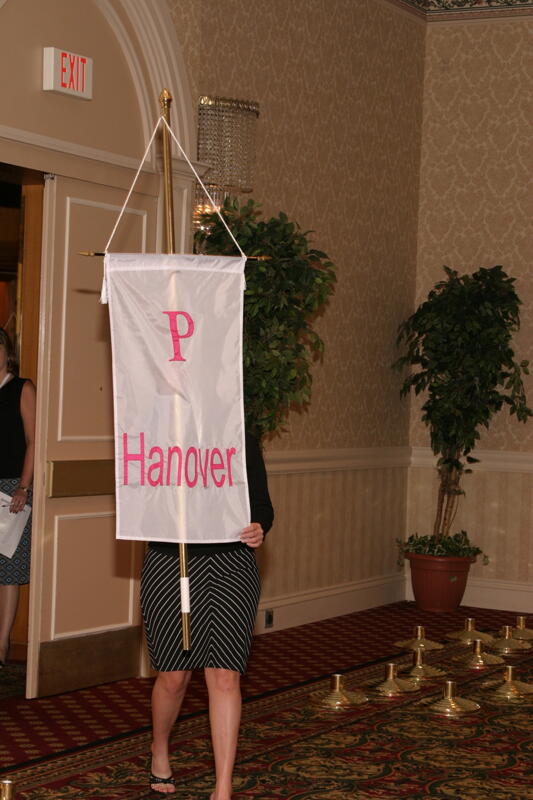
(11, 525)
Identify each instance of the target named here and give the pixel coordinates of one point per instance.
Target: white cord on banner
(123, 209)
(184, 154)
(215, 208)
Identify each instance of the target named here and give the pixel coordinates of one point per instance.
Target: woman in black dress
(224, 593)
(17, 433)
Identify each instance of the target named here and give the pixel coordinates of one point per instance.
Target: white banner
(176, 333)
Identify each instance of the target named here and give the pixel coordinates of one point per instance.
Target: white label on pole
(68, 73)
(184, 592)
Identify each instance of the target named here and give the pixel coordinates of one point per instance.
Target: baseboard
(333, 601)
(503, 595)
(500, 595)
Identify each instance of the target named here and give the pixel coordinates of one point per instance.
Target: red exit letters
(73, 71)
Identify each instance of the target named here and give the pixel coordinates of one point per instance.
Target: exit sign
(68, 73)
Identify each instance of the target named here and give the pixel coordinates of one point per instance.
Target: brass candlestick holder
(469, 633)
(511, 690)
(478, 658)
(419, 641)
(451, 705)
(421, 671)
(507, 645)
(521, 631)
(393, 686)
(510, 675)
(337, 698)
(7, 789)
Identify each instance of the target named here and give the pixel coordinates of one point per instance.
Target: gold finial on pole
(165, 99)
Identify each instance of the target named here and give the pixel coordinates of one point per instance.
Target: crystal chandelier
(226, 142)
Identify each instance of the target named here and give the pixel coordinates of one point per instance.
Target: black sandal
(155, 779)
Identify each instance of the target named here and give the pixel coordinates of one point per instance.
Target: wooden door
(84, 618)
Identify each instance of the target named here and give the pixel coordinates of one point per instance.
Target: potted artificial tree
(287, 284)
(458, 347)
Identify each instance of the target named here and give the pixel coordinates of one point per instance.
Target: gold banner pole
(165, 99)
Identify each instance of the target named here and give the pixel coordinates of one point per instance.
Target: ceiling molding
(439, 10)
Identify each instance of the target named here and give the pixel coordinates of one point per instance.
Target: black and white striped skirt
(224, 595)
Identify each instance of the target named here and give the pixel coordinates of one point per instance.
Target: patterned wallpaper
(476, 198)
(340, 88)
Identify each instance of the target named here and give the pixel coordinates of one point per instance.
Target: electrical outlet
(269, 618)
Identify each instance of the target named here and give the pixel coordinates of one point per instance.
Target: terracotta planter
(439, 582)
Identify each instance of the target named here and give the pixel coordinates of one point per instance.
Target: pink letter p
(176, 335)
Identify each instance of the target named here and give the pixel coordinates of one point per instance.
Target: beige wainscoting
(332, 548)
(497, 512)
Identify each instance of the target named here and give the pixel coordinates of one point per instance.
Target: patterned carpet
(291, 751)
(94, 743)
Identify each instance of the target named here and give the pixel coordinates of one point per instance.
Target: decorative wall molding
(301, 608)
(162, 64)
(180, 167)
(72, 148)
(465, 9)
(285, 462)
(489, 460)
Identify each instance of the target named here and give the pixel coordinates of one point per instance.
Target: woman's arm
(27, 412)
(261, 509)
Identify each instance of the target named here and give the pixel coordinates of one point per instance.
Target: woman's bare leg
(9, 600)
(225, 703)
(167, 697)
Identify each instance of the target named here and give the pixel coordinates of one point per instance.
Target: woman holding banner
(17, 429)
(224, 588)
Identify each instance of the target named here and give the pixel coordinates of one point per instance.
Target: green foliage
(459, 342)
(458, 346)
(283, 296)
(456, 545)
